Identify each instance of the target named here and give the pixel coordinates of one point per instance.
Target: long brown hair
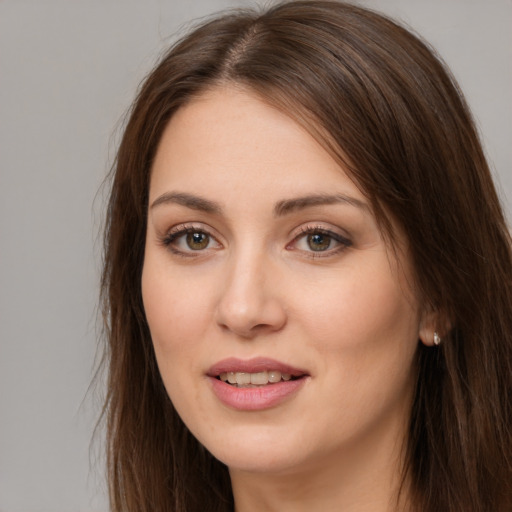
(384, 105)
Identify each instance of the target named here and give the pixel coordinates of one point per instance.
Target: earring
(437, 339)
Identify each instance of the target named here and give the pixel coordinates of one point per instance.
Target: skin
(346, 315)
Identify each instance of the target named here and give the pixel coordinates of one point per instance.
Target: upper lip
(254, 365)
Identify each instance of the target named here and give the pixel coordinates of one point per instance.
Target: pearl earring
(437, 339)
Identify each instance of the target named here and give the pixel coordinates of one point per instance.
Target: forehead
(229, 138)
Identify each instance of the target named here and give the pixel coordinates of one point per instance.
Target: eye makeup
(311, 240)
(189, 240)
(317, 241)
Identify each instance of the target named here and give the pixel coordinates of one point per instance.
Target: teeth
(243, 379)
(274, 376)
(260, 378)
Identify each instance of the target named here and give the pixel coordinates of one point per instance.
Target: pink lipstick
(255, 384)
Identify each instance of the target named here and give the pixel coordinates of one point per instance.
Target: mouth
(256, 372)
(255, 384)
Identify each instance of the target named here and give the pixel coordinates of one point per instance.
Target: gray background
(68, 71)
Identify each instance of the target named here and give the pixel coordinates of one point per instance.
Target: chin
(260, 451)
(259, 461)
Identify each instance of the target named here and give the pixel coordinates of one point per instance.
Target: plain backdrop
(68, 71)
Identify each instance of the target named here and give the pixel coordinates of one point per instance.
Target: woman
(307, 277)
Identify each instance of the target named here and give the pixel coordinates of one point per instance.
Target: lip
(255, 365)
(257, 398)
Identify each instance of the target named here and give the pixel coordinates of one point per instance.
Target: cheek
(175, 311)
(366, 328)
(362, 307)
(366, 333)
(177, 322)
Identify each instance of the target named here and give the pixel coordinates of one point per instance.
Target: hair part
(382, 103)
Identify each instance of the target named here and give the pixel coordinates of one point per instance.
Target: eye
(317, 240)
(197, 240)
(185, 240)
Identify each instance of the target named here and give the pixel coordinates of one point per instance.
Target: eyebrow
(188, 200)
(290, 205)
(281, 208)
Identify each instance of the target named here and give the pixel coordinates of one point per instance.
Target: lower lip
(258, 398)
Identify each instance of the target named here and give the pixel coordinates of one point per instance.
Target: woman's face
(264, 265)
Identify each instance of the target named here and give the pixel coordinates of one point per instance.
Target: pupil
(197, 241)
(319, 242)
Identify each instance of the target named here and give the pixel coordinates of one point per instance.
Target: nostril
(256, 316)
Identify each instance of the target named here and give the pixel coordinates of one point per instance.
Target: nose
(250, 303)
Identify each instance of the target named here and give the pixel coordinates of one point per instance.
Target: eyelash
(343, 243)
(184, 229)
(180, 231)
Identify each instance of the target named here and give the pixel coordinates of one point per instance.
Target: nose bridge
(248, 303)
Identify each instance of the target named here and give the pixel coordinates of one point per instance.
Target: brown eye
(190, 241)
(197, 240)
(319, 241)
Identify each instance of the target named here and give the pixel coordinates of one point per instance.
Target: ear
(433, 327)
